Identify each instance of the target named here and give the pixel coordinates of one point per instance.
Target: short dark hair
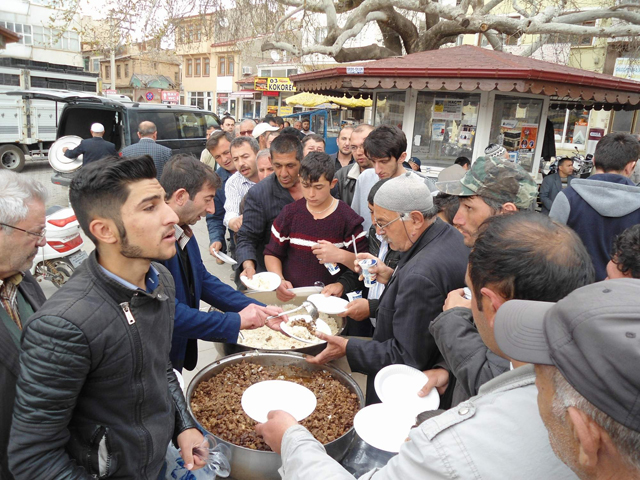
(215, 137)
(385, 141)
(292, 131)
(527, 256)
(227, 118)
(615, 150)
(561, 160)
(374, 190)
(186, 171)
(253, 143)
(284, 143)
(462, 161)
(626, 251)
(314, 136)
(315, 165)
(448, 205)
(305, 119)
(101, 188)
(269, 118)
(279, 121)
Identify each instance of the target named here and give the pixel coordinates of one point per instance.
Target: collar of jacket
(277, 189)
(516, 378)
(425, 239)
(116, 290)
(147, 138)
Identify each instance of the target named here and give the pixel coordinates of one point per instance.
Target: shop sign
(170, 96)
(596, 134)
(627, 68)
(447, 109)
(109, 92)
(149, 96)
(272, 109)
(355, 70)
(285, 111)
(273, 84)
(271, 94)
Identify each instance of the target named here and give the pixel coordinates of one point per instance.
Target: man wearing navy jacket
(190, 187)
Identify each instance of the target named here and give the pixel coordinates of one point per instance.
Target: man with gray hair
(22, 230)
(243, 153)
(433, 263)
(148, 135)
(584, 349)
(246, 128)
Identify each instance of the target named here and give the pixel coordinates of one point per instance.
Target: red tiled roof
(474, 62)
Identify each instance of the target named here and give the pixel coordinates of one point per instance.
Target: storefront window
(444, 128)
(622, 121)
(390, 109)
(515, 125)
(569, 126)
(247, 108)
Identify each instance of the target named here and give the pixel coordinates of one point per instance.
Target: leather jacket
(97, 396)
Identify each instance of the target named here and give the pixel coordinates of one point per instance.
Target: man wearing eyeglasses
(434, 260)
(22, 221)
(348, 176)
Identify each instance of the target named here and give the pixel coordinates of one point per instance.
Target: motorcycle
(62, 254)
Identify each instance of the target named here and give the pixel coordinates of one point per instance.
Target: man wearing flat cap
(94, 148)
(433, 263)
(586, 351)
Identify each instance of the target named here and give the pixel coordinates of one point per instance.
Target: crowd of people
(534, 371)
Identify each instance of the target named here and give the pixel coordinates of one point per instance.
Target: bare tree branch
(494, 40)
(535, 46)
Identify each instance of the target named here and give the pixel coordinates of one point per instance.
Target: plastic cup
(365, 265)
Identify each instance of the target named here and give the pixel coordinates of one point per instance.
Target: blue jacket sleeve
(212, 326)
(214, 222)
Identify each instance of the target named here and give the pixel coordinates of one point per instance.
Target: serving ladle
(309, 307)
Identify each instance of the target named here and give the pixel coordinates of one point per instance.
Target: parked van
(181, 128)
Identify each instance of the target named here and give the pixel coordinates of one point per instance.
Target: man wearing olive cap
(586, 351)
(492, 186)
(94, 148)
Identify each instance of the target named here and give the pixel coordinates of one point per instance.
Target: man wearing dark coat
(22, 221)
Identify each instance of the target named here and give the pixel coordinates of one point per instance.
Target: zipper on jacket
(138, 374)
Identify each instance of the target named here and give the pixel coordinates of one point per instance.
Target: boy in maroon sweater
(303, 224)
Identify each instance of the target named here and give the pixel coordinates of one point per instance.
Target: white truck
(28, 127)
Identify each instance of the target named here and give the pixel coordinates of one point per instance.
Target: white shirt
(235, 189)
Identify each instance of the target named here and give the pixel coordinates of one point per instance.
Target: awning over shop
(468, 68)
(243, 94)
(306, 99)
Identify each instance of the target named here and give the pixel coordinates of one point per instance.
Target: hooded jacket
(598, 208)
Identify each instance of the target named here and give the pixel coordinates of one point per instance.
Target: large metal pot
(248, 464)
(270, 298)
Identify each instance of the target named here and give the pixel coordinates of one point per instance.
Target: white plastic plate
(262, 282)
(328, 305)
(260, 398)
(225, 258)
(383, 426)
(398, 385)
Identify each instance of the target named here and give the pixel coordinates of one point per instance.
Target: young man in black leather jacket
(97, 396)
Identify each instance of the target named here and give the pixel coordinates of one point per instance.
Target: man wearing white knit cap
(94, 148)
(434, 261)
